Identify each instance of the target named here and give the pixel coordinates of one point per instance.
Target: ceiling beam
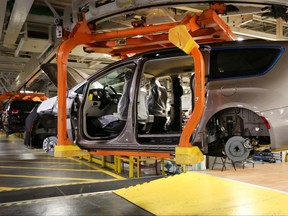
(3, 4)
(256, 34)
(17, 19)
(56, 15)
(11, 67)
(32, 69)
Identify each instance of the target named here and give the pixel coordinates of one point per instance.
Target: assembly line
(188, 119)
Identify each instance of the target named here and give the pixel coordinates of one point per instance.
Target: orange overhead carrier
(23, 96)
(205, 27)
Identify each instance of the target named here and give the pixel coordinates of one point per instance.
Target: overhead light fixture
(139, 36)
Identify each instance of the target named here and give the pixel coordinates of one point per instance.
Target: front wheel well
(44, 126)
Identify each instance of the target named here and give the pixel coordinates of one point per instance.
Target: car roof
(165, 64)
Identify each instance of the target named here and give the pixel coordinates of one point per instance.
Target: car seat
(157, 106)
(113, 124)
(145, 120)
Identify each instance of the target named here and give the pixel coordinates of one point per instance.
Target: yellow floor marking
(54, 177)
(34, 162)
(37, 154)
(47, 186)
(53, 199)
(194, 193)
(98, 168)
(7, 188)
(48, 168)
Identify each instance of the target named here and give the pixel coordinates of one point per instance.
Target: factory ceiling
(31, 30)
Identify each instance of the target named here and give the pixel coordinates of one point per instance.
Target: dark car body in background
(15, 114)
(2, 107)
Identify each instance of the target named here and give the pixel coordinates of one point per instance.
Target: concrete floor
(269, 175)
(33, 183)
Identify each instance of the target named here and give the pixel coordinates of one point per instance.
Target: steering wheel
(113, 97)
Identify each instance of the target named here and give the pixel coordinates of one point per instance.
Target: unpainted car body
(245, 101)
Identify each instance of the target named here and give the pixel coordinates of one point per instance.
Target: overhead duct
(3, 4)
(17, 19)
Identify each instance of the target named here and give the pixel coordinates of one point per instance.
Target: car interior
(163, 101)
(169, 98)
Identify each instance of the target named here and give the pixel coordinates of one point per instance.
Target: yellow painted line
(98, 168)
(47, 186)
(53, 177)
(53, 199)
(38, 155)
(34, 162)
(194, 193)
(50, 169)
(6, 188)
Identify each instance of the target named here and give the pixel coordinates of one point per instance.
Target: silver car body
(251, 106)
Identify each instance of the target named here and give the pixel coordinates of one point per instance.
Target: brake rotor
(235, 149)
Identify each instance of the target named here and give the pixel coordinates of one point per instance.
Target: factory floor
(33, 183)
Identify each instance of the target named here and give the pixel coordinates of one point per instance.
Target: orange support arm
(181, 38)
(80, 35)
(185, 152)
(199, 98)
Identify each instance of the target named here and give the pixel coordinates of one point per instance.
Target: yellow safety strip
(48, 168)
(28, 202)
(6, 188)
(100, 169)
(54, 178)
(41, 154)
(36, 162)
(47, 186)
(69, 151)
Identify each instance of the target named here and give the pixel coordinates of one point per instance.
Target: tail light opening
(266, 122)
(14, 111)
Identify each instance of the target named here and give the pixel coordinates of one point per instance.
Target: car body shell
(259, 96)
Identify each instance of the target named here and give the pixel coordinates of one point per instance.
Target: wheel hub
(237, 148)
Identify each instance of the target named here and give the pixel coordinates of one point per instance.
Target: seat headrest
(128, 75)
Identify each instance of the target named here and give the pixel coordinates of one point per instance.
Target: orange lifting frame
(198, 25)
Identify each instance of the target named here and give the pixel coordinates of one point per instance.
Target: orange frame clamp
(185, 152)
(203, 28)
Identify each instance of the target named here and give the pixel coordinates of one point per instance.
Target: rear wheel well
(233, 122)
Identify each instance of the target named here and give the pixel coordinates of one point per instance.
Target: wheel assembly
(49, 144)
(237, 148)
